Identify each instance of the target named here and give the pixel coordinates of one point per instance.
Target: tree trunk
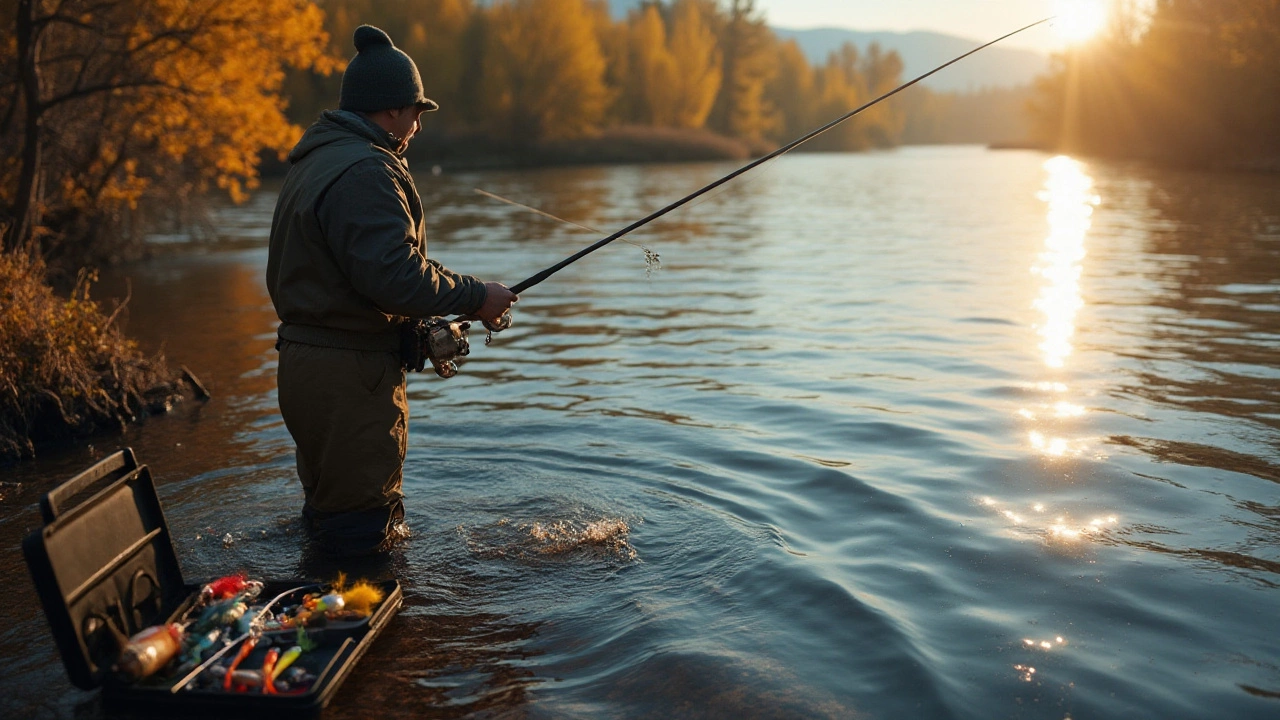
(26, 201)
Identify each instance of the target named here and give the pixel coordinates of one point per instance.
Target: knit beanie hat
(380, 76)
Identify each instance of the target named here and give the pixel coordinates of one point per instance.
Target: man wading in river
(347, 266)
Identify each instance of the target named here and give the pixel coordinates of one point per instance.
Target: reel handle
(502, 323)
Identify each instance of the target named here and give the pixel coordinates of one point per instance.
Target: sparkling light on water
(1062, 528)
(1069, 193)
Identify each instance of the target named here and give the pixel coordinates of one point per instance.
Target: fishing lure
(268, 671)
(220, 614)
(194, 651)
(225, 587)
(286, 659)
(362, 598)
(148, 651)
(236, 679)
(332, 602)
(304, 641)
(240, 656)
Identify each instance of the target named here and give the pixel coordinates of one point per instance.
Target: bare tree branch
(107, 87)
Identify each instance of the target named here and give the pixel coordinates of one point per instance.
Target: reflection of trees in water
(1225, 300)
(1260, 522)
(1226, 558)
(1198, 455)
(1212, 246)
(608, 198)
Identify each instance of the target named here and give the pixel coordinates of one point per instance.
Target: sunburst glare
(1076, 21)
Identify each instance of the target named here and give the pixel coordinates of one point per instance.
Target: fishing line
(652, 260)
(543, 275)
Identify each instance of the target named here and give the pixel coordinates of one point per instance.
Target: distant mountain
(995, 67)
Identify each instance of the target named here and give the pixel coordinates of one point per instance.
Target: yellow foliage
(1183, 80)
(697, 60)
(543, 70)
(183, 93)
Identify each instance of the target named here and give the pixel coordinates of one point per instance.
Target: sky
(973, 19)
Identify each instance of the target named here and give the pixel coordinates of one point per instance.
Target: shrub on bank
(619, 145)
(636, 144)
(66, 370)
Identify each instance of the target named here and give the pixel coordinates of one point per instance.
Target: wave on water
(605, 538)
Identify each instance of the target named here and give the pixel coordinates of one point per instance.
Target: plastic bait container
(105, 568)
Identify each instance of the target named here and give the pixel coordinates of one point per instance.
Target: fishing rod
(441, 342)
(543, 275)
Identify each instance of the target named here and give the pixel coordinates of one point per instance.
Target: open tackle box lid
(105, 568)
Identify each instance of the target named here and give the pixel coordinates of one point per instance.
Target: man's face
(404, 125)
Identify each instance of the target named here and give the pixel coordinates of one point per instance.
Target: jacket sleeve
(370, 230)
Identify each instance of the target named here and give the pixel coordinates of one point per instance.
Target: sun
(1079, 20)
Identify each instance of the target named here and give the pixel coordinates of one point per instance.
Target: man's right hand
(497, 300)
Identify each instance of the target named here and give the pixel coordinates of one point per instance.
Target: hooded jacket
(348, 254)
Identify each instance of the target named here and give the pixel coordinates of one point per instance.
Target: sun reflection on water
(1061, 528)
(1069, 194)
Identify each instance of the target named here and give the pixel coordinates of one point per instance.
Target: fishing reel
(437, 341)
(441, 342)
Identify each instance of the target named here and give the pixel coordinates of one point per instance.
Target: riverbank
(626, 145)
(66, 369)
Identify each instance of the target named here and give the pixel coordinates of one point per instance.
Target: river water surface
(935, 433)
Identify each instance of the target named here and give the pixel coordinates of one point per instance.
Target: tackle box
(105, 567)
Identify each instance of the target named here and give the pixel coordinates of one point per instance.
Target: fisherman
(347, 267)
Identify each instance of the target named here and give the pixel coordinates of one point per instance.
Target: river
(935, 432)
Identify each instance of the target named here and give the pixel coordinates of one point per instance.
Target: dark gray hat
(381, 76)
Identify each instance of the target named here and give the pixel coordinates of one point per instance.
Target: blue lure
(220, 614)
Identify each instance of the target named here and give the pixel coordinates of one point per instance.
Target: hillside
(995, 67)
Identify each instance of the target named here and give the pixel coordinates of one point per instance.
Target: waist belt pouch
(413, 345)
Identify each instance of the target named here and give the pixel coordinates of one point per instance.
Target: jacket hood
(340, 126)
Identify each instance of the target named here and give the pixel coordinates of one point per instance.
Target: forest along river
(937, 432)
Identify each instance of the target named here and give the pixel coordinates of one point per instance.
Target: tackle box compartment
(105, 567)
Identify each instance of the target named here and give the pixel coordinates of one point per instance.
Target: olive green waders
(349, 416)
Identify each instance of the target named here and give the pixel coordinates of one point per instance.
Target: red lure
(228, 586)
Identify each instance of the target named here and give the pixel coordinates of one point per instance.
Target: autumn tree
(696, 58)
(881, 72)
(740, 109)
(110, 99)
(438, 40)
(839, 88)
(1191, 81)
(543, 73)
(648, 88)
(791, 90)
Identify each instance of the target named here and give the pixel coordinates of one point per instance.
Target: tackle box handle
(120, 463)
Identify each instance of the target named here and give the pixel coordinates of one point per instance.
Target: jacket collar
(364, 127)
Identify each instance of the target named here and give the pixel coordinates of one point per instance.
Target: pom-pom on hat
(381, 76)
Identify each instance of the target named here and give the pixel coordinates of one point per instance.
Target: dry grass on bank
(66, 370)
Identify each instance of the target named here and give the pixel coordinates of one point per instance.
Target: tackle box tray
(105, 568)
